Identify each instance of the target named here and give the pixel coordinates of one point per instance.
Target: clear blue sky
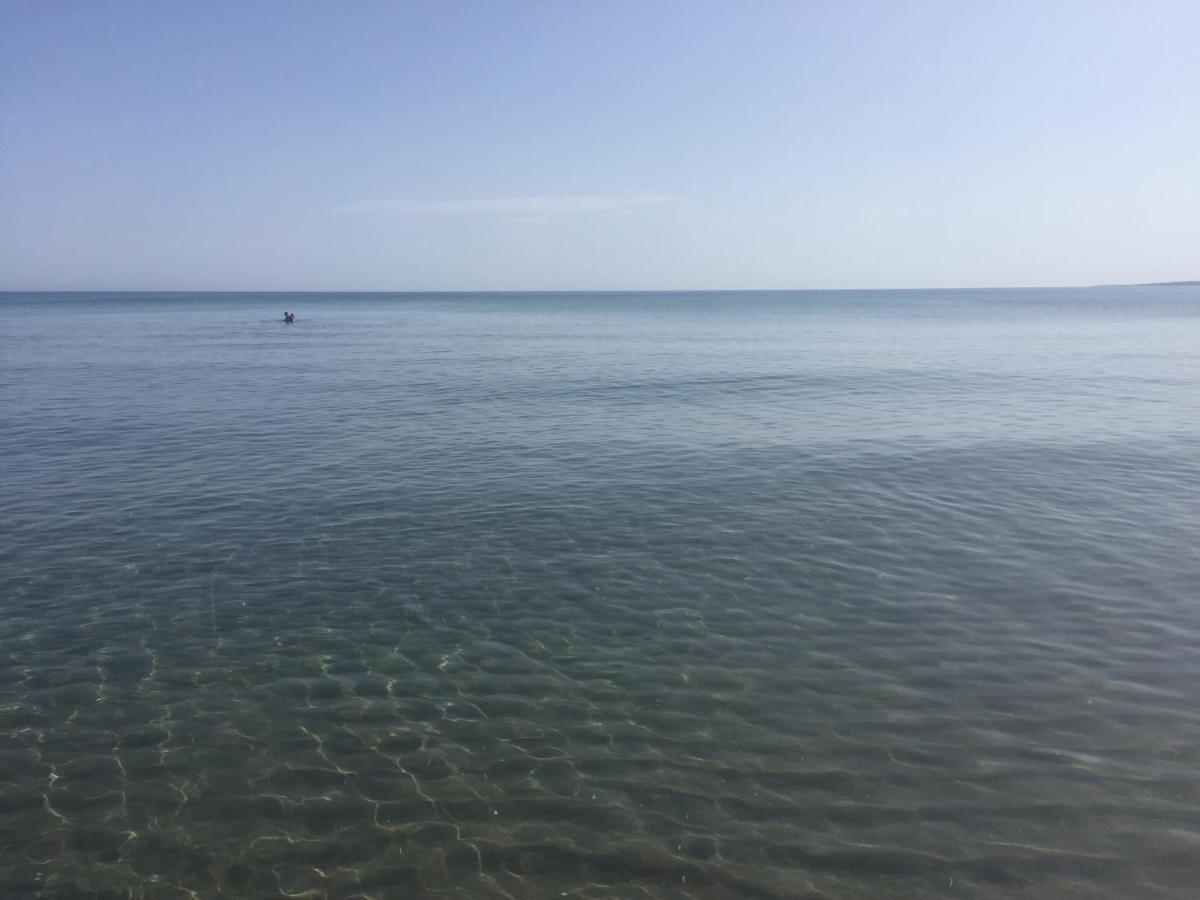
(607, 145)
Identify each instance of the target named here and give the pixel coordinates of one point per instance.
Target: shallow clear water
(714, 595)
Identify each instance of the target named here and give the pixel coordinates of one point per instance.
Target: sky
(602, 145)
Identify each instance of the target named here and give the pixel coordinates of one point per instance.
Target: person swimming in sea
(289, 317)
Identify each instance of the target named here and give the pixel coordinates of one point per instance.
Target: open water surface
(845, 595)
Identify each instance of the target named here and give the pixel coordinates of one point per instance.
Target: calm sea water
(841, 595)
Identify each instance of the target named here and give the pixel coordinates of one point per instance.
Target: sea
(850, 594)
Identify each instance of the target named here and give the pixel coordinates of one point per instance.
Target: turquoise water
(714, 595)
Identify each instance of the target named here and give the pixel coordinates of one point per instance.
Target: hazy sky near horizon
(596, 145)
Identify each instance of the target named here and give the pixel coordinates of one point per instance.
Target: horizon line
(746, 290)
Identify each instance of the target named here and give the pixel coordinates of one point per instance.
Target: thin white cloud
(536, 206)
